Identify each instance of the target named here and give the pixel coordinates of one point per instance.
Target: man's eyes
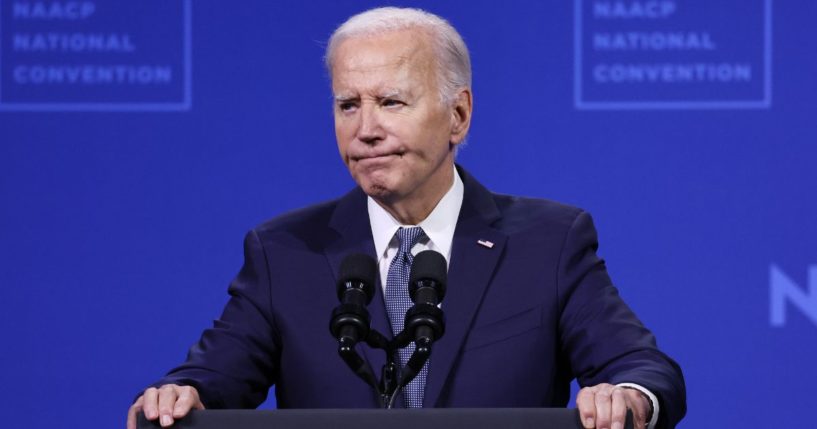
(350, 106)
(390, 102)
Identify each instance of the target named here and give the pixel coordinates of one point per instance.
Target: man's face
(393, 131)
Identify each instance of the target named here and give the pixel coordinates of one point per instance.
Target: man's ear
(461, 115)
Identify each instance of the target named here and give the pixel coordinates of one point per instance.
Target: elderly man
(529, 304)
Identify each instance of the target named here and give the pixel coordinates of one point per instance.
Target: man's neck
(416, 208)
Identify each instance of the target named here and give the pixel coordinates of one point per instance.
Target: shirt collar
(438, 226)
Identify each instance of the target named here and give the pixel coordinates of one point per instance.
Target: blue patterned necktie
(398, 302)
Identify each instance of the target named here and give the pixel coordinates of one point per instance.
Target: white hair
(453, 60)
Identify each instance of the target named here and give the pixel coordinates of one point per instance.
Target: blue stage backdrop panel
(132, 164)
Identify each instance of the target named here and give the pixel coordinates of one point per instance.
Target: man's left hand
(604, 406)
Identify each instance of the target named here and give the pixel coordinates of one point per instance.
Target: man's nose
(370, 129)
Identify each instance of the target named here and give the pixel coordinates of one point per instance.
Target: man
(529, 304)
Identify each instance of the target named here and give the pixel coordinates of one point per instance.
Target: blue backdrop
(140, 140)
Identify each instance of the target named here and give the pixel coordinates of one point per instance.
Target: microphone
(350, 321)
(429, 275)
(427, 284)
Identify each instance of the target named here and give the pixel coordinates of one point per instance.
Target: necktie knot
(407, 238)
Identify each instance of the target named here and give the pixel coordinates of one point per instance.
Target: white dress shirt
(438, 227)
(439, 234)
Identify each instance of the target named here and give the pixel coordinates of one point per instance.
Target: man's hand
(605, 406)
(166, 403)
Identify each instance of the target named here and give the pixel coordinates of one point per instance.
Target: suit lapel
(470, 271)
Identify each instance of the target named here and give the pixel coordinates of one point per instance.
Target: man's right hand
(166, 403)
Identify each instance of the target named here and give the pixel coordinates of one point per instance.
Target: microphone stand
(392, 378)
(424, 322)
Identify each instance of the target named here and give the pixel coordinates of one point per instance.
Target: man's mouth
(376, 157)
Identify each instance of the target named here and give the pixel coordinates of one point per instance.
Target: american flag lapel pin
(486, 243)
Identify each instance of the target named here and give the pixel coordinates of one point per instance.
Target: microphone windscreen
(430, 265)
(358, 268)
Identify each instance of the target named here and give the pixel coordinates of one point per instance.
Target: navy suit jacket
(523, 318)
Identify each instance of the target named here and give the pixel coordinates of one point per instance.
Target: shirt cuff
(653, 399)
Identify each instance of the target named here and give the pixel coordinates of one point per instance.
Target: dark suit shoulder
(305, 226)
(526, 212)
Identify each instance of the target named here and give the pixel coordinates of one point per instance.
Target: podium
(429, 418)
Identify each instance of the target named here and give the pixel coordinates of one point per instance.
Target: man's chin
(379, 192)
(375, 184)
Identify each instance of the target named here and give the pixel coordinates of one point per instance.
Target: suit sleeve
(234, 363)
(603, 340)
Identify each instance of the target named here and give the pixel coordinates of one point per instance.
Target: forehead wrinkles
(369, 62)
